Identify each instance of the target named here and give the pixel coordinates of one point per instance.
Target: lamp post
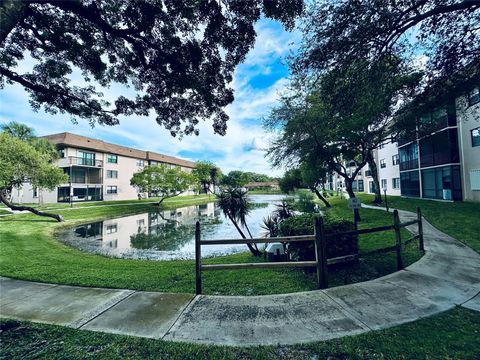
(385, 194)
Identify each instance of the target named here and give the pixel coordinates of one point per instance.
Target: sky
(257, 83)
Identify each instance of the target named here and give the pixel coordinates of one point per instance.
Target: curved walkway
(448, 275)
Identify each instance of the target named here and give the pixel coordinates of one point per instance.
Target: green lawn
(451, 335)
(30, 252)
(457, 219)
(176, 200)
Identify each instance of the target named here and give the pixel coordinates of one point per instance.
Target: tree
(344, 118)
(291, 180)
(207, 174)
(20, 131)
(21, 162)
(179, 56)
(306, 176)
(314, 175)
(162, 181)
(340, 32)
(235, 179)
(236, 206)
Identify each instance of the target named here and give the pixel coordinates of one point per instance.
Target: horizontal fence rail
(319, 238)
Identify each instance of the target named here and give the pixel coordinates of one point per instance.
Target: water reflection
(167, 234)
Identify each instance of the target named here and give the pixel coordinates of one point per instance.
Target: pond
(167, 234)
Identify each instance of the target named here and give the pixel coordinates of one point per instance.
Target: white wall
(390, 171)
(468, 118)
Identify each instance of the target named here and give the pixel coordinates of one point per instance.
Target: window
(112, 190)
(384, 184)
(475, 137)
(381, 146)
(360, 185)
(383, 164)
(35, 192)
(140, 163)
(408, 157)
(396, 183)
(410, 183)
(112, 174)
(86, 158)
(111, 229)
(368, 173)
(442, 183)
(474, 96)
(112, 159)
(61, 153)
(395, 159)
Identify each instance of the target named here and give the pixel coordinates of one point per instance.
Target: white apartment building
(97, 171)
(387, 160)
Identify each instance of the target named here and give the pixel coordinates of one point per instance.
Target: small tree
(20, 162)
(207, 175)
(162, 181)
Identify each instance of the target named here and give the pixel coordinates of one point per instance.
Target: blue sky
(257, 84)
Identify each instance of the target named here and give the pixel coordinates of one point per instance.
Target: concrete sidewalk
(448, 275)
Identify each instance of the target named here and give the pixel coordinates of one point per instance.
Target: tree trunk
(255, 252)
(373, 168)
(11, 13)
(3, 199)
(351, 194)
(320, 196)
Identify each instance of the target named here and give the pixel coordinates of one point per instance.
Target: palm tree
(235, 206)
(17, 130)
(284, 210)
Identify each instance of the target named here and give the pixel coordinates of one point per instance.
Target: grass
(30, 252)
(451, 335)
(84, 204)
(265, 192)
(457, 219)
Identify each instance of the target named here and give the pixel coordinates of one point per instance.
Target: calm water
(170, 234)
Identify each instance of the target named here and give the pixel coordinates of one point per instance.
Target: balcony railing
(78, 161)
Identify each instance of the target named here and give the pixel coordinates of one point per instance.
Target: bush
(336, 245)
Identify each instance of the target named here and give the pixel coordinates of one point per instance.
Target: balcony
(78, 161)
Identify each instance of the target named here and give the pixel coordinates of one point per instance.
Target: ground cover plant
(30, 252)
(458, 329)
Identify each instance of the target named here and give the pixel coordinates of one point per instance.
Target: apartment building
(388, 161)
(441, 158)
(97, 171)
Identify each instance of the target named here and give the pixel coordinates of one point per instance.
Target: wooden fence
(320, 241)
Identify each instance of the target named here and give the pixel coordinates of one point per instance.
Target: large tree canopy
(339, 32)
(179, 56)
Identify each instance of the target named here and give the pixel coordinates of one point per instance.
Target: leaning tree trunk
(351, 194)
(255, 252)
(3, 199)
(320, 196)
(373, 168)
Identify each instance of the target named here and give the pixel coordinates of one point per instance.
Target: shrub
(336, 245)
(305, 202)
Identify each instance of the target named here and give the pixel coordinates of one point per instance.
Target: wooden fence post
(398, 239)
(198, 260)
(321, 254)
(420, 230)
